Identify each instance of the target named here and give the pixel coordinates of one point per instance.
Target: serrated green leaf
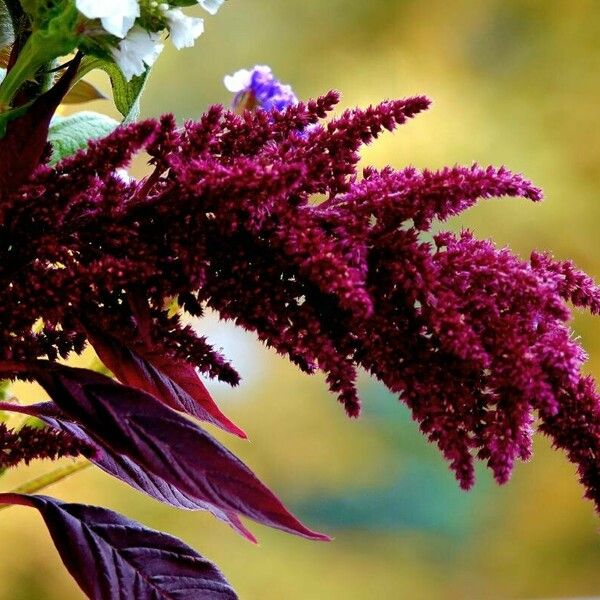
(126, 93)
(70, 134)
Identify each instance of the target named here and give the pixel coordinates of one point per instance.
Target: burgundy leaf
(170, 380)
(112, 557)
(23, 145)
(126, 470)
(164, 443)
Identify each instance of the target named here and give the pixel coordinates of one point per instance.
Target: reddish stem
(19, 408)
(10, 498)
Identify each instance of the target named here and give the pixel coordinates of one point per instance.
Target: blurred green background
(514, 83)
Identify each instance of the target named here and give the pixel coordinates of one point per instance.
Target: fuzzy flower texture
(473, 339)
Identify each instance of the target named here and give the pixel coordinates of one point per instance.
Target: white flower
(139, 49)
(124, 176)
(184, 30)
(117, 16)
(211, 6)
(239, 81)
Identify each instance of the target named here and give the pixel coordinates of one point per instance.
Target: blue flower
(258, 88)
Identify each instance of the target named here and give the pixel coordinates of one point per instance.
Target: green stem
(31, 57)
(39, 483)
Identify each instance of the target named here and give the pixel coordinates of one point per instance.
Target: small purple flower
(258, 88)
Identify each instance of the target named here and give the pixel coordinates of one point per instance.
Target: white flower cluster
(138, 47)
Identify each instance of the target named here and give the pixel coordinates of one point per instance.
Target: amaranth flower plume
(473, 339)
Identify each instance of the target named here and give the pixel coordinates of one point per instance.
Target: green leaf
(70, 134)
(4, 385)
(52, 15)
(126, 93)
(81, 92)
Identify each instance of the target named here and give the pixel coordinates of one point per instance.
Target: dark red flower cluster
(31, 443)
(263, 218)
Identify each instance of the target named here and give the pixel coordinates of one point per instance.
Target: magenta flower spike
(262, 216)
(472, 338)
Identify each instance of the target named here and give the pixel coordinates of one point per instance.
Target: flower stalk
(48, 479)
(31, 57)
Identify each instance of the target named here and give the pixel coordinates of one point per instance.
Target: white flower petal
(118, 26)
(118, 16)
(96, 9)
(184, 30)
(239, 81)
(211, 6)
(139, 49)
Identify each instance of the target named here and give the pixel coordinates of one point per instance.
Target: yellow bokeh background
(514, 83)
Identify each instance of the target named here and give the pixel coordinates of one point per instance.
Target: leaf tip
(231, 427)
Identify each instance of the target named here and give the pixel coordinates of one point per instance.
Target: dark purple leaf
(112, 557)
(126, 470)
(164, 443)
(172, 381)
(23, 144)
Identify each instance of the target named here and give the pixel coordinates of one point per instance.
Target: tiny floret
(259, 88)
